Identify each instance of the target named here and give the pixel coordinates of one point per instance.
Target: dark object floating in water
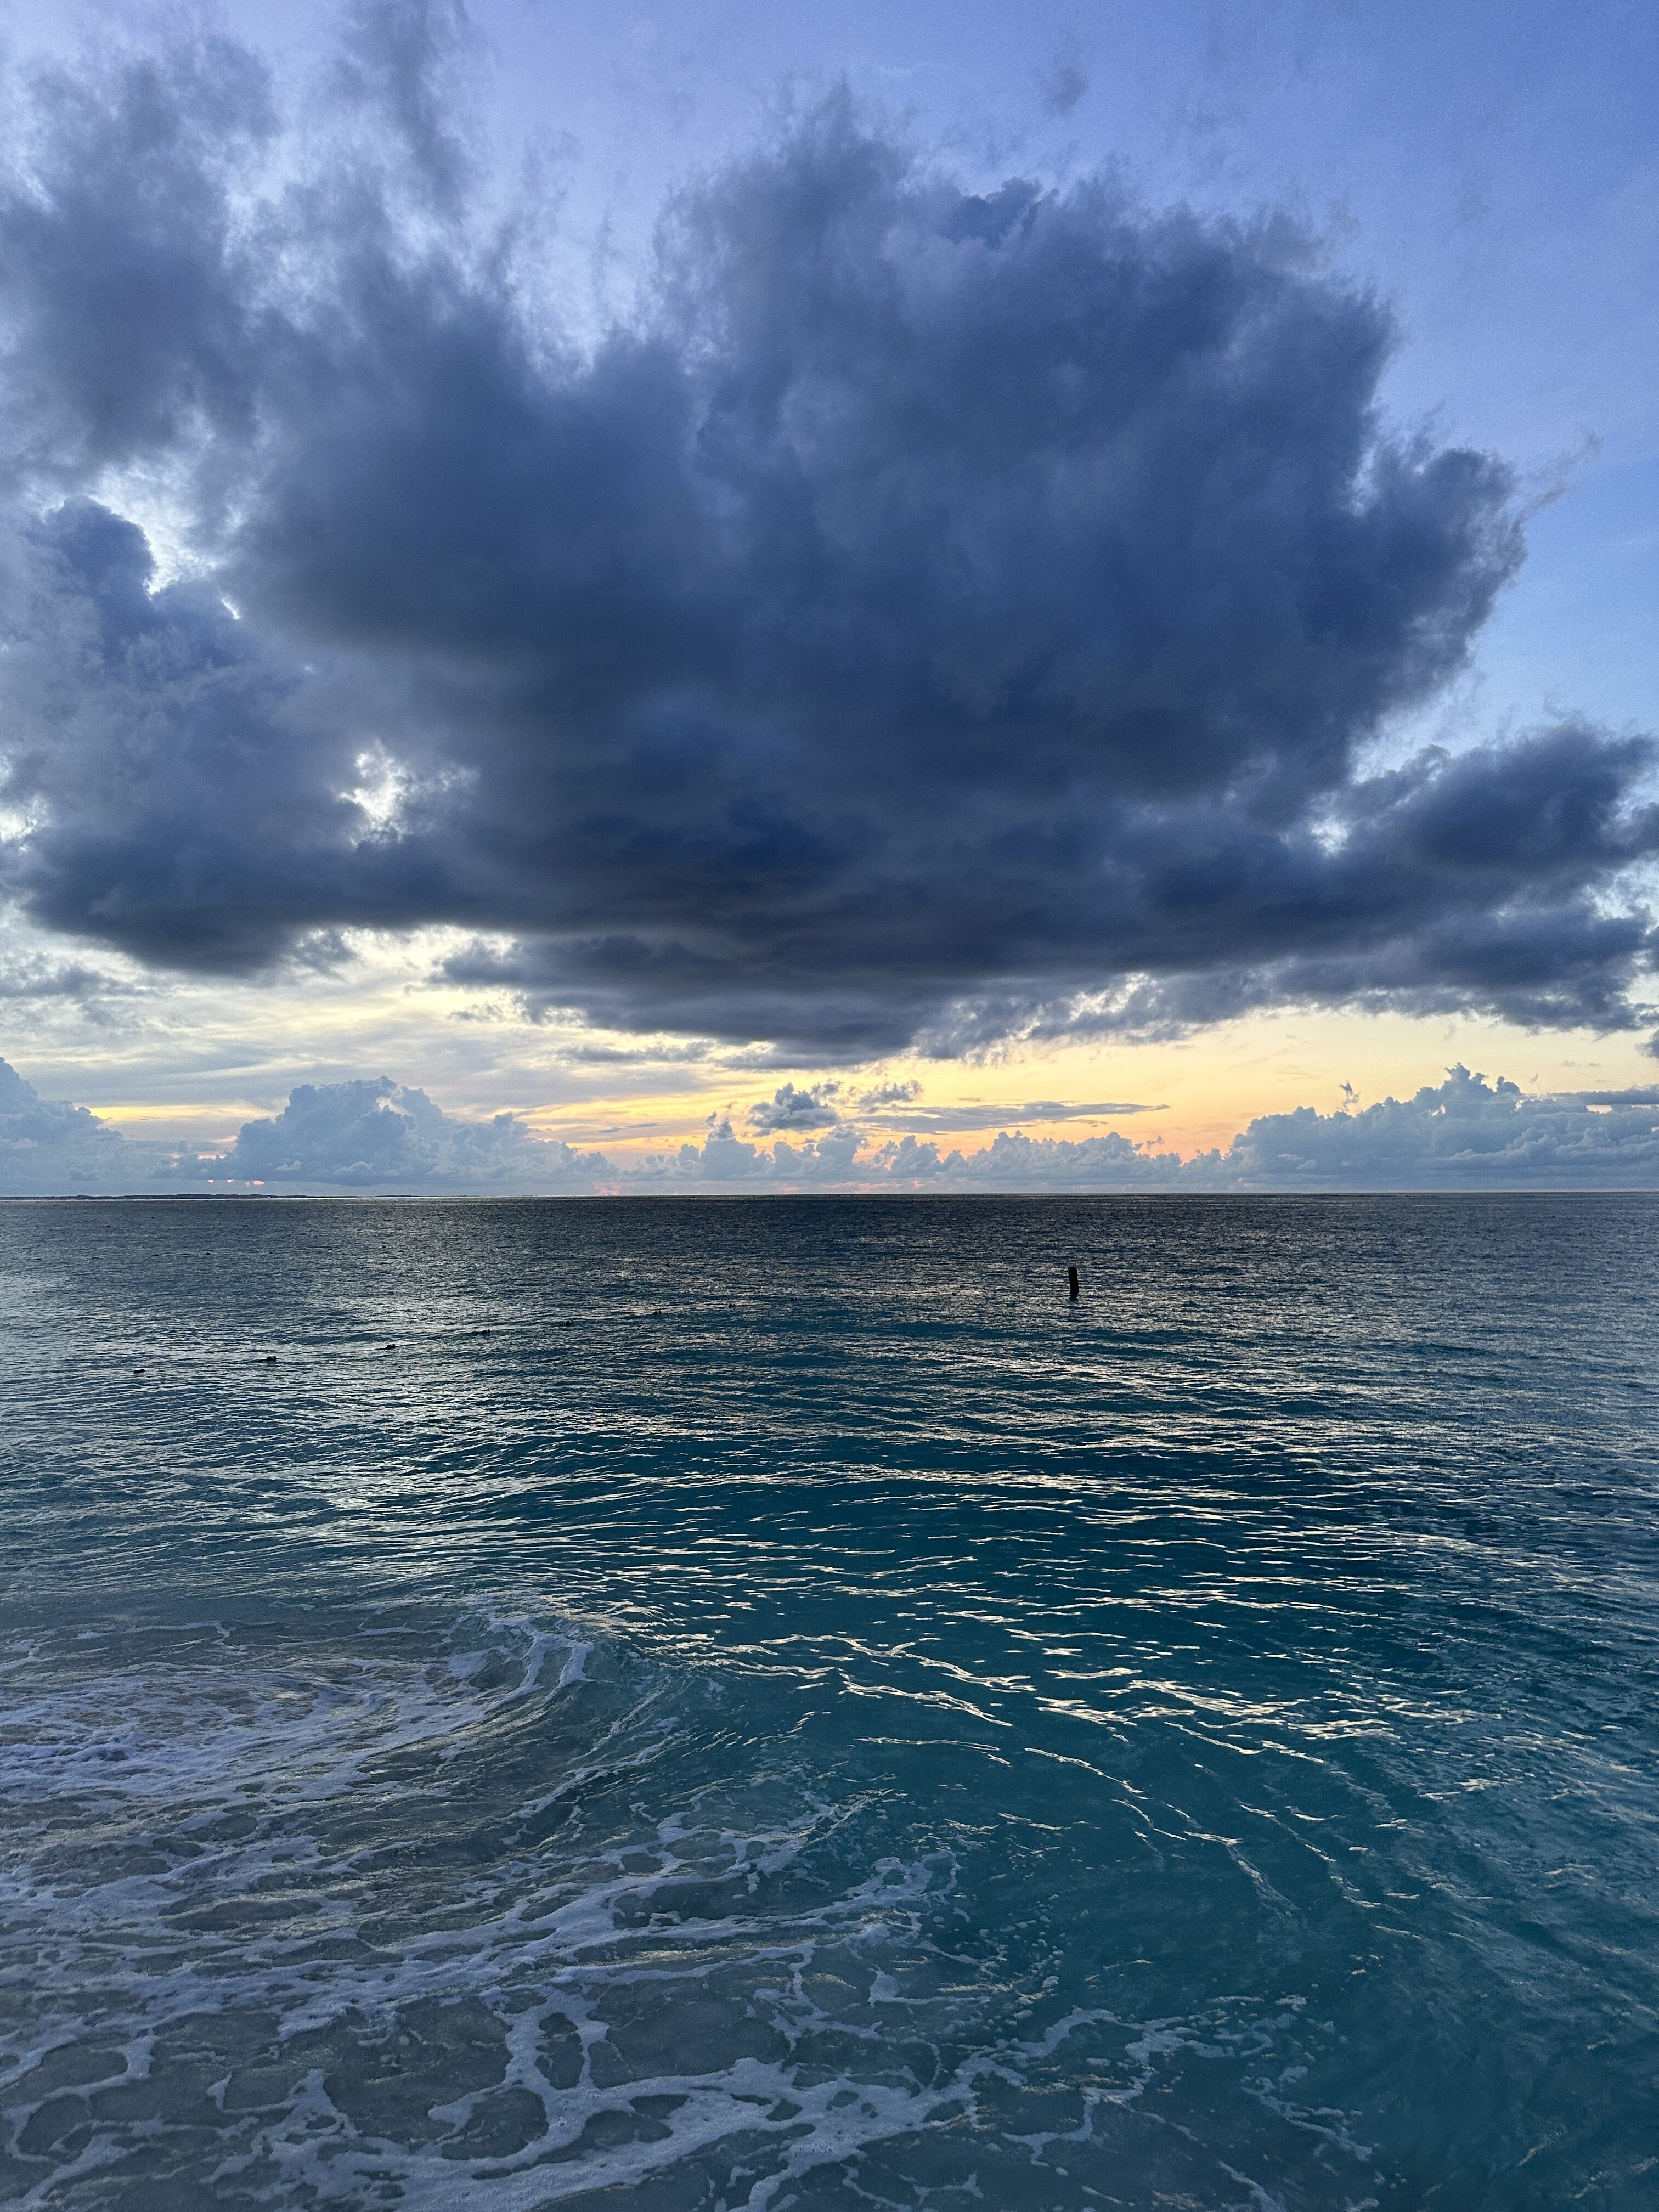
(1072, 1277)
(390, 1347)
(270, 1360)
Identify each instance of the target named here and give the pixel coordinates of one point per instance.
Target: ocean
(666, 1704)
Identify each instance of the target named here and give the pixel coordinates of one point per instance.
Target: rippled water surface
(663, 1704)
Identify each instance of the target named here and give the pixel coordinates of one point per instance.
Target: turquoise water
(663, 1704)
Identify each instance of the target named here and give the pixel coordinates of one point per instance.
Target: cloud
(357, 1136)
(28, 976)
(50, 1149)
(1464, 1133)
(833, 1160)
(1067, 80)
(928, 617)
(791, 1108)
(380, 1135)
(376, 1135)
(959, 1119)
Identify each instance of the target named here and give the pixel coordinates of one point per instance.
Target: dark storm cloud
(190, 813)
(126, 282)
(928, 617)
(791, 1107)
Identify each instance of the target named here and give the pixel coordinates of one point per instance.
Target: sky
(835, 578)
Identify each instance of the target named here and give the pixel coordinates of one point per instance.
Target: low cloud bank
(380, 1137)
(46, 1147)
(376, 1135)
(365, 1136)
(1463, 1134)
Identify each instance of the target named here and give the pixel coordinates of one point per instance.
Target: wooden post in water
(1072, 1276)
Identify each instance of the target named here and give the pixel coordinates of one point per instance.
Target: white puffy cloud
(380, 1135)
(373, 1135)
(1464, 1133)
(49, 1149)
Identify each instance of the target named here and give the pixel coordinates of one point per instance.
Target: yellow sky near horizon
(1205, 1088)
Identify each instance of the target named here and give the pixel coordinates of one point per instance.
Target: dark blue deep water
(657, 1704)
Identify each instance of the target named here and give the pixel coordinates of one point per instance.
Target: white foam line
(281, 1741)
